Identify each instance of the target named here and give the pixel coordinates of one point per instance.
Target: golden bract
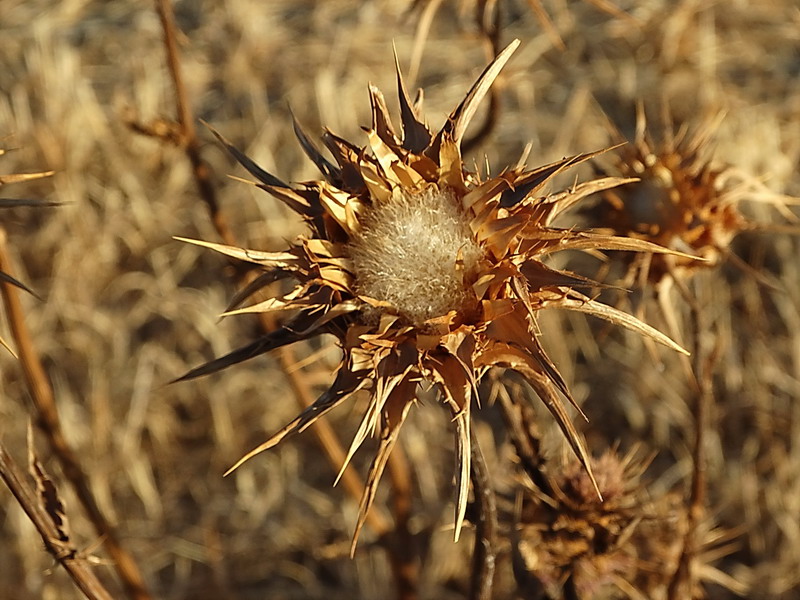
(362, 275)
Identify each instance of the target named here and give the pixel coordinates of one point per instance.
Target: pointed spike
(304, 204)
(588, 240)
(581, 303)
(464, 453)
(244, 160)
(329, 170)
(460, 118)
(544, 387)
(258, 283)
(271, 341)
(5, 345)
(416, 135)
(20, 177)
(17, 283)
(565, 200)
(457, 381)
(345, 385)
(392, 416)
(388, 384)
(503, 354)
(538, 275)
(381, 121)
(27, 202)
(265, 306)
(271, 259)
(367, 423)
(533, 180)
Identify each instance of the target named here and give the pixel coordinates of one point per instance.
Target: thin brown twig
(202, 173)
(684, 579)
(489, 22)
(547, 24)
(63, 551)
(48, 420)
(484, 556)
(524, 435)
(325, 434)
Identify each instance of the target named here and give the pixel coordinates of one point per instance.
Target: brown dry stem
(488, 18)
(48, 420)
(63, 551)
(521, 426)
(200, 169)
(686, 577)
(405, 560)
(484, 557)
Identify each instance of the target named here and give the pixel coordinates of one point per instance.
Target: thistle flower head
(628, 545)
(423, 271)
(683, 199)
(573, 536)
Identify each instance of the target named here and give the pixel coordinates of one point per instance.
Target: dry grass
(125, 308)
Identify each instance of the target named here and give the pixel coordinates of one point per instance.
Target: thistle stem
(484, 556)
(50, 423)
(63, 551)
(685, 578)
(404, 559)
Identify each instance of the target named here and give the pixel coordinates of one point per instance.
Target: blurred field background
(125, 308)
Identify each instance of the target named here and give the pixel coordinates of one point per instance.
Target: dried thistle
(683, 200)
(626, 546)
(571, 538)
(423, 271)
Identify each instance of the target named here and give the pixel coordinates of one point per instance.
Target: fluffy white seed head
(416, 251)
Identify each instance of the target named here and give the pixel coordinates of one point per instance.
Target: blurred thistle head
(423, 271)
(564, 536)
(628, 545)
(684, 199)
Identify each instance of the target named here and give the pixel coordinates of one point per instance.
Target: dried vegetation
(87, 92)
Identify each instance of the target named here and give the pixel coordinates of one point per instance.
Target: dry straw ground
(125, 308)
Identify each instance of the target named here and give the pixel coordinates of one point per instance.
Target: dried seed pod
(568, 543)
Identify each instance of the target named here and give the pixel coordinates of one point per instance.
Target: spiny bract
(14, 203)
(423, 271)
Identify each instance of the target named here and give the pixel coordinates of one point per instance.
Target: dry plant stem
(489, 22)
(325, 435)
(484, 557)
(48, 420)
(684, 579)
(571, 590)
(521, 428)
(423, 29)
(63, 552)
(547, 24)
(405, 564)
(202, 173)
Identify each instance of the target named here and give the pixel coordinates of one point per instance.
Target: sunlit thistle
(423, 271)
